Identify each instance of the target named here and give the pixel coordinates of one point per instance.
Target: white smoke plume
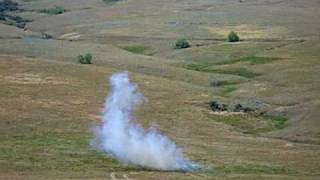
(127, 141)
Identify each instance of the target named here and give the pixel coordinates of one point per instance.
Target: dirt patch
(28, 78)
(70, 36)
(225, 113)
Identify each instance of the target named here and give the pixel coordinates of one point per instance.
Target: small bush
(182, 43)
(85, 59)
(233, 37)
(53, 11)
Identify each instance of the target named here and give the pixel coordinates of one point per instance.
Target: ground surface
(49, 102)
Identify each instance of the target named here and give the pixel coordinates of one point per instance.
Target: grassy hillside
(49, 102)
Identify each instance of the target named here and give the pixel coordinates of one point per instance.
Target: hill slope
(49, 102)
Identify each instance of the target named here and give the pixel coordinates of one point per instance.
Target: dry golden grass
(247, 31)
(48, 102)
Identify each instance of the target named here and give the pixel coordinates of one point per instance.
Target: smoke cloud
(127, 141)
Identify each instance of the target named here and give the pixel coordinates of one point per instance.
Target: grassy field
(49, 102)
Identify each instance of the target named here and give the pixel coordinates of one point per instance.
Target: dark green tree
(85, 59)
(182, 43)
(233, 37)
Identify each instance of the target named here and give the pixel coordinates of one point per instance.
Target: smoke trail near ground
(127, 141)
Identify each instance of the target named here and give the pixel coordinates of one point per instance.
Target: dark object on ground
(240, 108)
(215, 106)
(218, 107)
(46, 36)
(8, 5)
(13, 20)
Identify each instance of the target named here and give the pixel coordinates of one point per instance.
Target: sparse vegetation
(227, 90)
(53, 11)
(233, 37)
(182, 43)
(85, 59)
(250, 169)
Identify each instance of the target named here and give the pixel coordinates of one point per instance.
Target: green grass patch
(279, 122)
(110, 1)
(204, 67)
(53, 11)
(197, 67)
(243, 72)
(227, 90)
(251, 123)
(136, 49)
(253, 60)
(219, 83)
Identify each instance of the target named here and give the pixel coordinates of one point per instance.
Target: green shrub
(233, 37)
(85, 59)
(53, 11)
(182, 43)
